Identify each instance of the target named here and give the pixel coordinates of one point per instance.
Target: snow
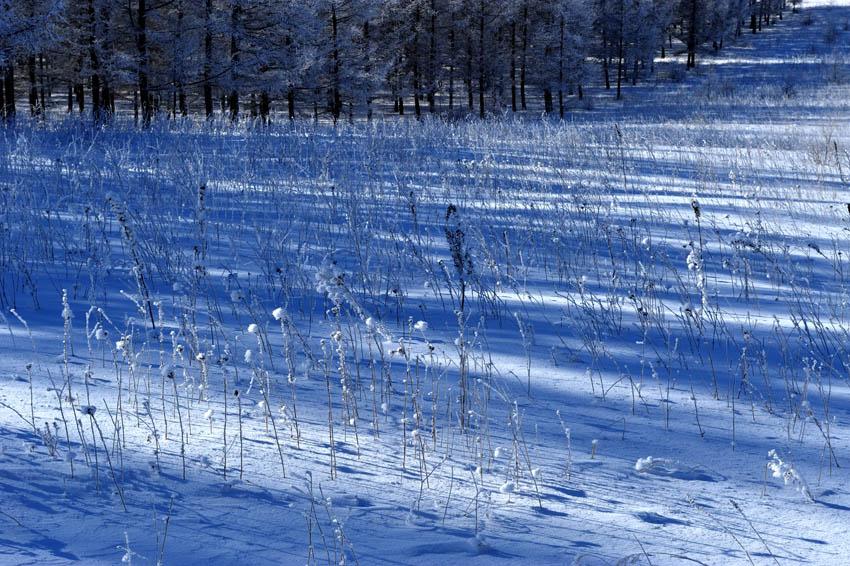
(627, 382)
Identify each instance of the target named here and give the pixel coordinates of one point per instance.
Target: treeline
(339, 58)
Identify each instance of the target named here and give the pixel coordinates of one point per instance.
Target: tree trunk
(233, 100)
(513, 66)
(142, 47)
(94, 64)
(290, 103)
(522, 69)
(619, 64)
(481, 60)
(416, 79)
(41, 83)
(181, 94)
(561, 72)
(368, 68)
(265, 107)
(80, 93)
(208, 99)
(470, 97)
(692, 36)
(336, 103)
(452, 68)
(605, 61)
(432, 65)
(35, 110)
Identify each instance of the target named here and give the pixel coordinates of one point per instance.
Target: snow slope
(633, 348)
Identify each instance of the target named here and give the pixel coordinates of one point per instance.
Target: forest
(334, 59)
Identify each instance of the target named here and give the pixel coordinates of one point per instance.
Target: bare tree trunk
(432, 64)
(469, 95)
(181, 94)
(265, 107)
(452, 68)
(513, 66)
(336, 104)
(233, 100)
(42, 88)
(561, 72)
(692, 36)
(208, 99)
(605, 61)
(142, 48)
(416, 79)
(481, 59)
(524, 54)
(35, 109)
(290, 103)
(619, 64)
(80, 93)
(368, 68)
(95, 65)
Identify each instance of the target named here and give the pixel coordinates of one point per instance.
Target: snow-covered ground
(619, 340)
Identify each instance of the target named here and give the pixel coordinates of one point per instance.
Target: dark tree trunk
(452, 68)
(208, 98)
(233, 100)
(481, 59)
(265, 107)
(561, 72)
(336, 104)
(41, 83)
(522, 69)
(432, 65)
(35, 109)
(80, 93)
(470, 97)
(368, 69)
(692, 36)
(95, 65)
(513, 66)
(290, 103)
(605, 61)
(416, 79)
(97, 112)
(181, 94)
(142, 47)
(619, 64)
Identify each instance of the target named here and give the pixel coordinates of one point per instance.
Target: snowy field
(619, 340)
